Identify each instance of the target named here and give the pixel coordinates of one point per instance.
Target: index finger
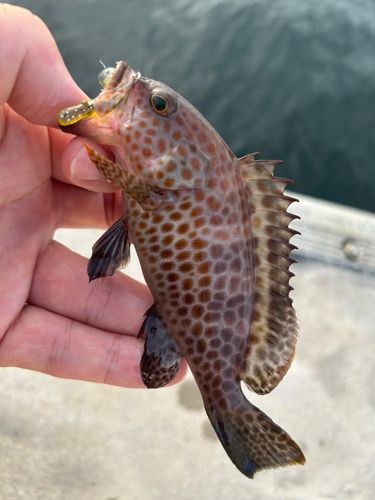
(34, 79)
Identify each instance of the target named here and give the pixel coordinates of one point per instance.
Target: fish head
(100, 118)
(149, 128)
(127, 103)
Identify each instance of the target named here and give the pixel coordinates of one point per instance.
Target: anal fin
(161, 358)
(273, 324)
(111, 252)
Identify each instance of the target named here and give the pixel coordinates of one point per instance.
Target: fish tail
(253, 441)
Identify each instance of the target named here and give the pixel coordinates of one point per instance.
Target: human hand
(52, 320)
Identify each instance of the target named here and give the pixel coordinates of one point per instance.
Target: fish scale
(211, 233)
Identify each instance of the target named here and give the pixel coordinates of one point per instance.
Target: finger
(60, 284)
(34, 79)
(47, 342)
(24, 154)
(77, 168)
(79, 208)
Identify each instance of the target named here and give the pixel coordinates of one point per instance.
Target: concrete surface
(65, 439)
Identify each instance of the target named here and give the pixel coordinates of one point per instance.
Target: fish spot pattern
(212, 236)
(197, 267)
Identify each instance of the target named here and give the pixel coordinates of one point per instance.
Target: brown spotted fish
(211, 232)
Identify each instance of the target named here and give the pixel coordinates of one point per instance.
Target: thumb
(79, 169)
(34, 79)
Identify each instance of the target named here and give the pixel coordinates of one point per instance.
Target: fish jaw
(100, 119)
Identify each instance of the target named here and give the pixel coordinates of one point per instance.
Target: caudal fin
(253, 441)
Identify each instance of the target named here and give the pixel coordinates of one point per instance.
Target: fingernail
(83, 169)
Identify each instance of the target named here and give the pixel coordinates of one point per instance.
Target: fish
(212, 235)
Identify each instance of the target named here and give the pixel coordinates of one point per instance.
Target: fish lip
(117, 76)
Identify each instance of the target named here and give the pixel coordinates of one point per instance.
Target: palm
(51, 319)
(27, 213)
(50, 278)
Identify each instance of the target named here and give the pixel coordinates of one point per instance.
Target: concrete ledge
(65, 439)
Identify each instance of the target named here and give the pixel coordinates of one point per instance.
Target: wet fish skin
(211, 232)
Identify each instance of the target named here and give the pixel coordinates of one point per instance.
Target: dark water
(293, 79)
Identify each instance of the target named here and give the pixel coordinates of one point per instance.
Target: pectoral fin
(161, 358)
(111, 252)
(142, 192)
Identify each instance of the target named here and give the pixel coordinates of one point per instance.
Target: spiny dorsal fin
(274, 325)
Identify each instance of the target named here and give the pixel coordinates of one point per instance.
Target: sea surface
(293, 79)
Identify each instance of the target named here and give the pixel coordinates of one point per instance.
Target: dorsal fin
(274, 325)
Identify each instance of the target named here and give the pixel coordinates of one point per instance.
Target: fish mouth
(117, 86)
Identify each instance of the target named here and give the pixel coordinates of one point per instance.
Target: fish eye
(163, 101)
(159, 104)
(105, 76)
